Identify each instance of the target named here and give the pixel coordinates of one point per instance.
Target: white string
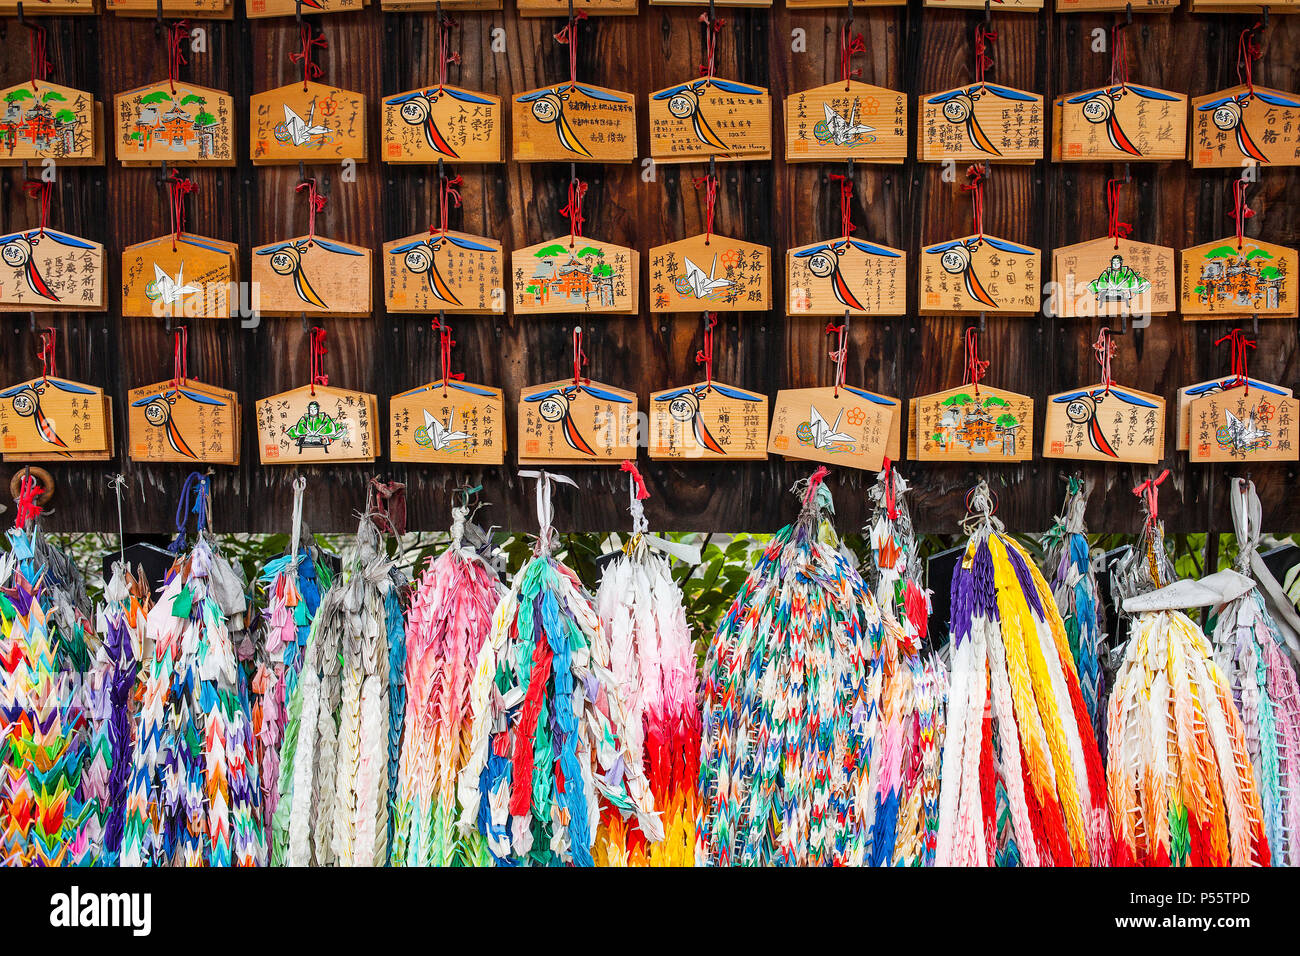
(117, 483)
(639, 522)
(545, 511)
(295, 535)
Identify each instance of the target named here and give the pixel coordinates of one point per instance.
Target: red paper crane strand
(178, 187)
(851, 44)
(572, 210)
(445, 342)
(976, 187)
(814, 482)
(318, 350)
(1105, 349)
(1118, 56)
(27, 510)
(177, 34)
(984, 40)
(448, 196)
(712, 27)
(310, 40)
(975, 368)
(1248, 51)
(840, 353)
(846, 203)
(1240, 211)
(180, 359)
(1115, 228)
(42, 190)
(445, 53)
(315, 203)
(630, 467)
(579, 357)
(1239, 347)
(41, 64)
(709, 183)
(705, 355)
(891, 494)
(1149, 491)
(49, 364)
(569, 37)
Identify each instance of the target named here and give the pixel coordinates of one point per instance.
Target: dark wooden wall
(911, 49)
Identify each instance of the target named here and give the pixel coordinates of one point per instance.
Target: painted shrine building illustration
(42, 122)
(572, 277)
(981, 426)
(1242, 279)
(162, 120)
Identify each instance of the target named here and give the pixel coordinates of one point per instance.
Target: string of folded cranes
(343, 715)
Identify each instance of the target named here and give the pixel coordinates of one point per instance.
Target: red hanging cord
(445, 53)
(712, 28)
(27, 509)
(177, 34)
(814, 482)
(318, 376)
(705, 355)
(49, 363)
(1115, 228)
(310, 40)
(569, 37)
(630, 467)
(1105, 349)
(1240, 211)
(975, 369)
(1118, 56)
(445, 342)
(976, 186)
(840, 353)
(891, 494)
(180, 360)
(178, 188)
(448, 195)
(846, 203)
(42, 190)
(1239, 347)
(315, 203)
(710, 186)
(984, 39)
(1248, 51)
(572, 210)
(579, 357)
(41, 64)
(851, 44)
(1149, 492)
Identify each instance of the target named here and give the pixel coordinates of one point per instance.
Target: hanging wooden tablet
(442, 123)
(318, 124)
(574, 122)
(846, 120)
(184, 421)
(52, 418)
(185, 276)
(44, 270)
(49, 8)
(734, 3)
(1115, 6)
(189, 125)
(708, 421)
(1004, 6)
(1243, 424)
(258, 9)
(593, 8)
(444, 272)
(1189, 393)
(43, 120)
(848, 426)
(313, 275)
(197, 9)
(585, 276)
(979, 273)
(1240, 125)
(430, 6)
(448, 422)
(1238, 275)
(1239, 6)
(710, 117)
(825, 4)
(839, 275)
(316, 425)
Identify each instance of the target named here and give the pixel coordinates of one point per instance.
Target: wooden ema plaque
(829, 123)
(1105, 424)
(444, 272)
(1115, 6)
(196, 9)
(193, 280)
(579, 276)
(193, 126)
(183, 421)
(966, 424)
(979, 274)
(561, 423)
(1002, 6)
(50, 271)
(259, 9)
(333, 425)
(982, 122)
(1190, 393)
(442, 123)
(53, 418)
(1240, 6)
(430, 6)
(1105, 277)
(574, 122)
(1125, 123)
(839, 275)
(1218, 280)
(725, 3)
(449, 423)
(49, 8)
(1236, 126)
(593, 8)
(318, 124)
(50, 122)
(1243, 424)
(710, 273)
(854, 429)
(828, 4)
(710, 117)
(312, 275)
(708, 421)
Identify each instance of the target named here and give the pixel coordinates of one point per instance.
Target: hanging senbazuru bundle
(335, 787)
(1074, 586)
(1182, 791)
(791, 681)
(543, 752)
(193, 798)
(914, 695)
(293, 584)
(1022, 778)
(646, 643)
(447, 623)
(46, 817)
(1252, 634)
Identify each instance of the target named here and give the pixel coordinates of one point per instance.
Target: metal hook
(983, 326)
(158, 23)
(305, 327)
(988, 11)
(1263, 17)
(851, 12)
(1128, 14)
(1128, 176)
(297, 11)
(1254, 322)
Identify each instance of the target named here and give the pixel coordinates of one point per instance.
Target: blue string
(193, 500)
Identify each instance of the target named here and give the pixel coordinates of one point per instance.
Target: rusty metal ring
(43, 479)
